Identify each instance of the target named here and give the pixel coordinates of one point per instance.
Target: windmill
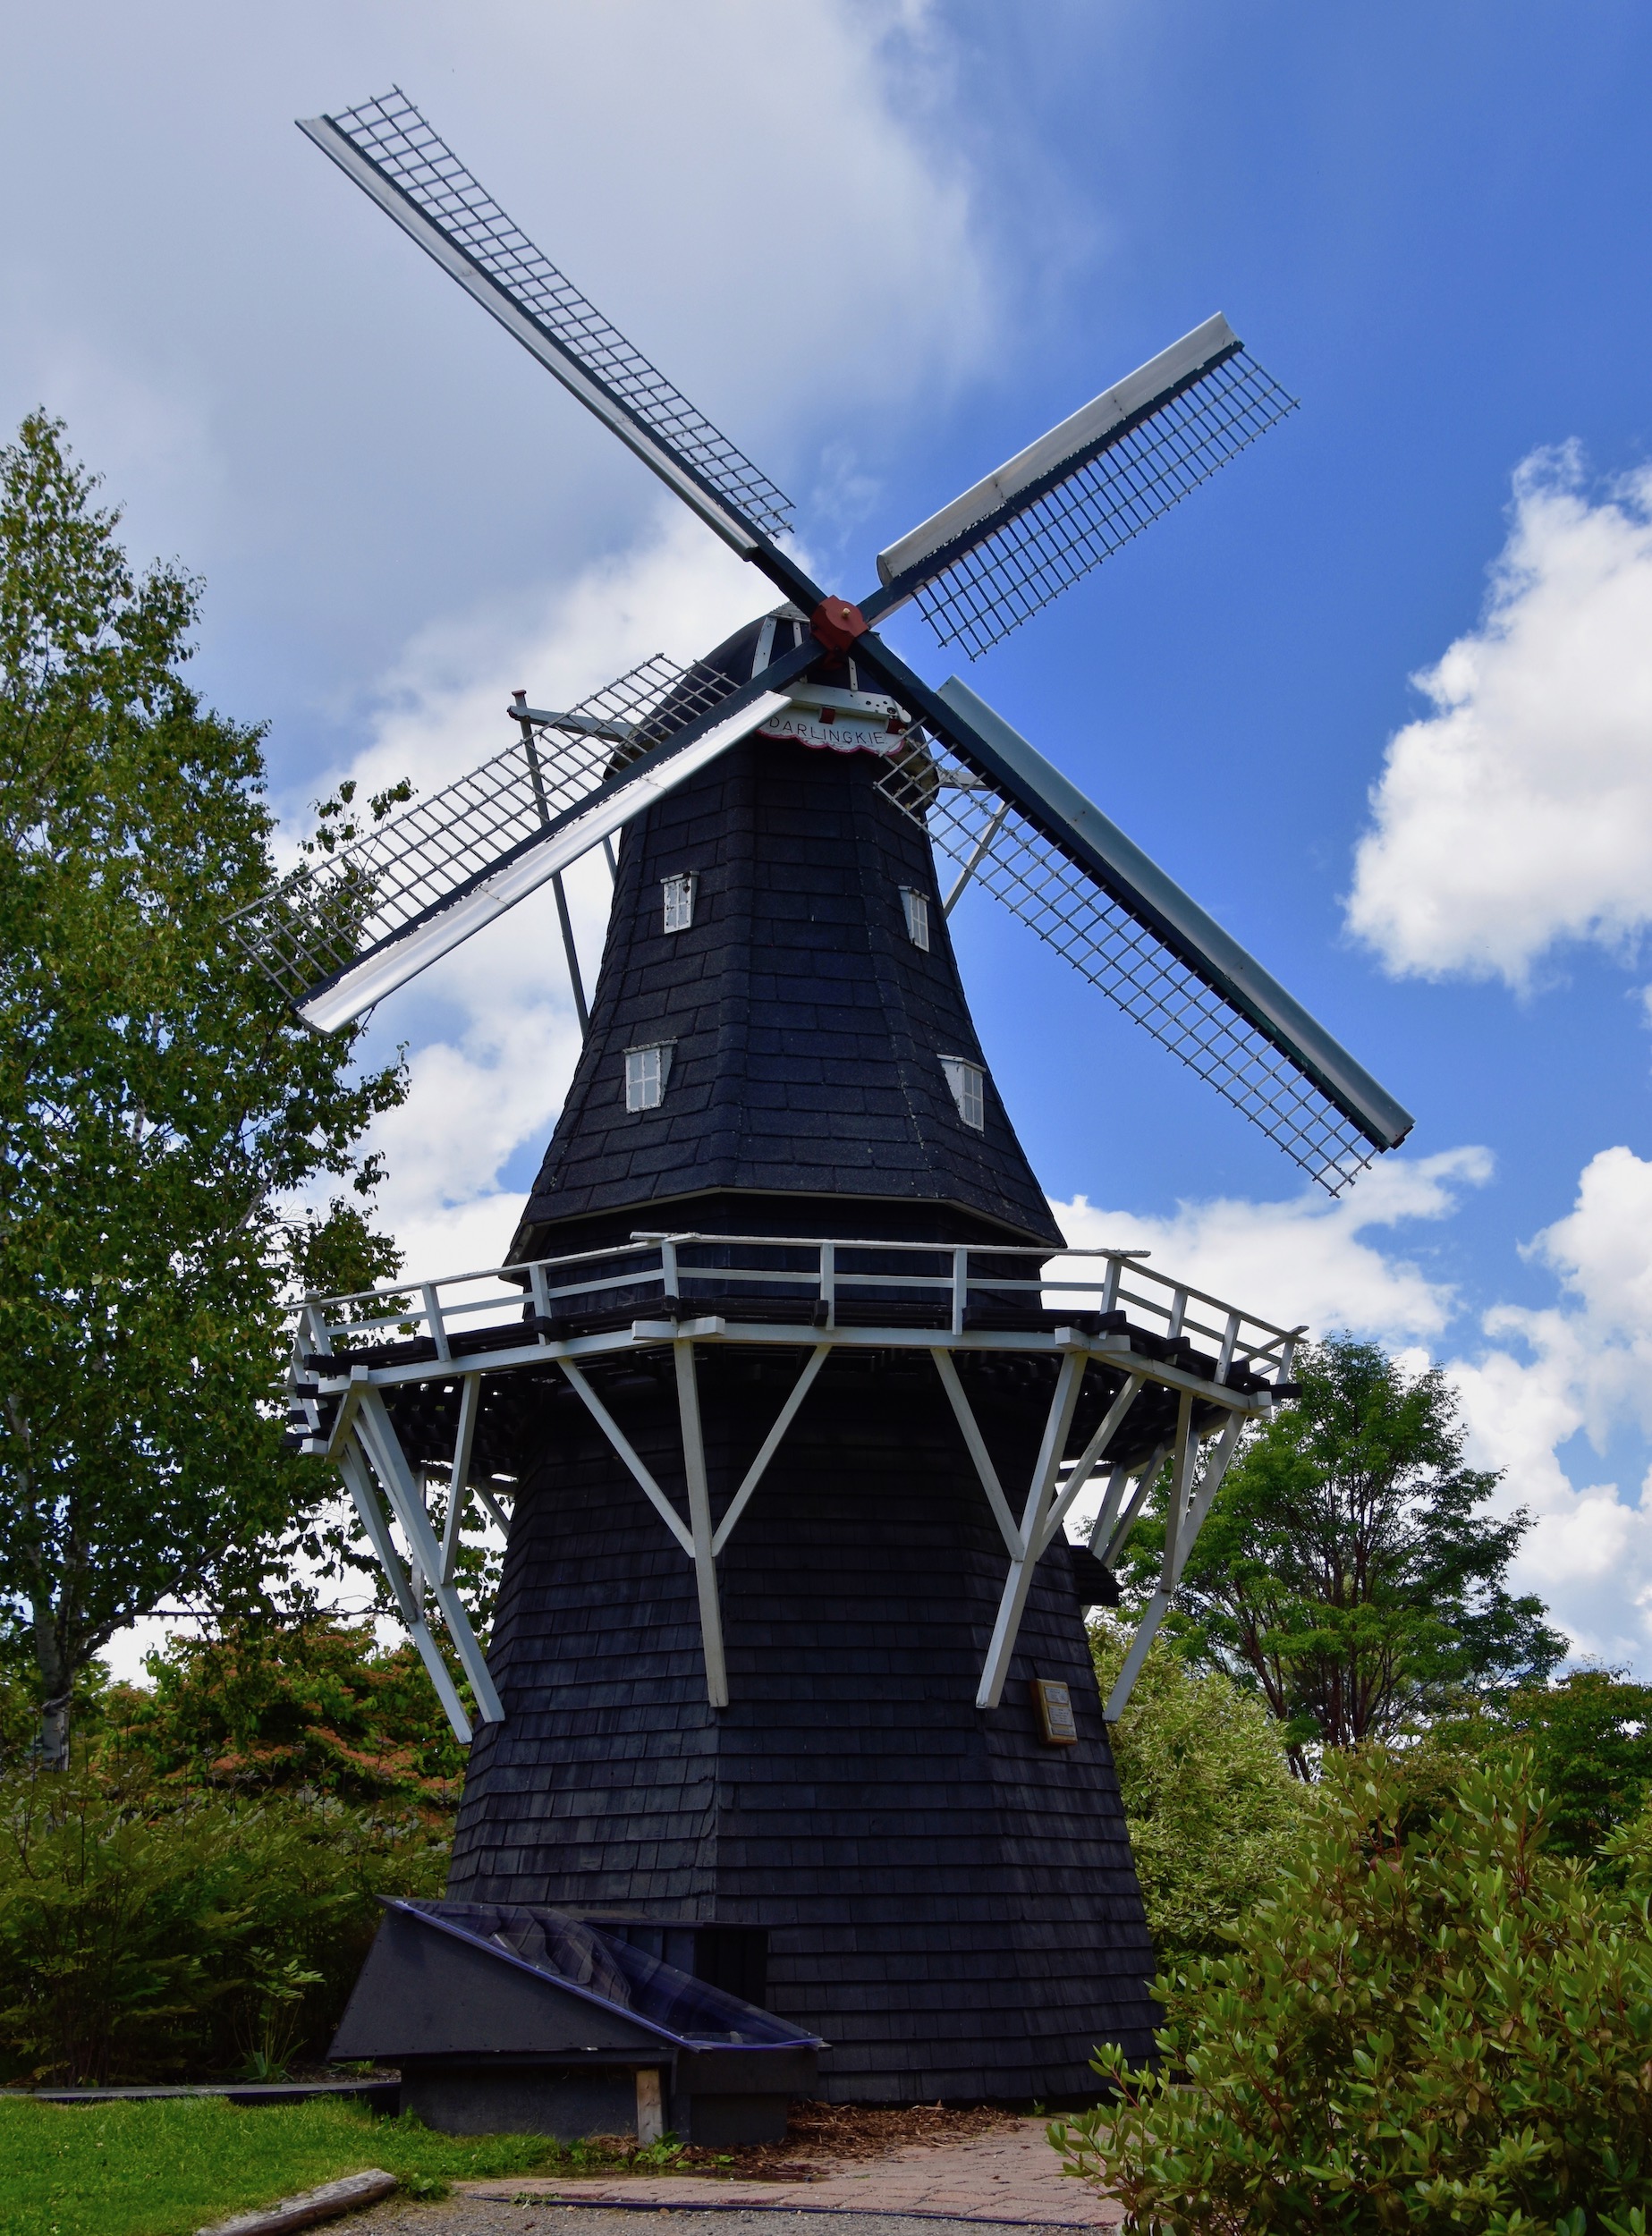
(790, 1384)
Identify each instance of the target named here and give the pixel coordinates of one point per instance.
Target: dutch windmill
(784, 1415)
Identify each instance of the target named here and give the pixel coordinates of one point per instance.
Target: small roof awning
(446, 1979)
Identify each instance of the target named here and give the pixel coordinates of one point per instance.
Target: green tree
(271, 1706)
(1349, 1568)
(158, 1099)
(1213, 1810)
(1444, 2030)
(1590, 1736)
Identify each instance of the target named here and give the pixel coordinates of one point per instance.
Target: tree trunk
(56, 1683)
(57, 1673)
(55, 1733)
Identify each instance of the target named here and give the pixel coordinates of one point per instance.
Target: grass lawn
(169, 2167)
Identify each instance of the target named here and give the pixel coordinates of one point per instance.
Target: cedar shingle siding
(949, 1903)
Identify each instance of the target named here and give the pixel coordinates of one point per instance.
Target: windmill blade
(999, 554)
(391, 152)
(338, 936)
(1008, 818)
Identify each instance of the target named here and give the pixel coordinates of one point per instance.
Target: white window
(917, 907)
(968, 1083)
(647, 1070)
(679, 901)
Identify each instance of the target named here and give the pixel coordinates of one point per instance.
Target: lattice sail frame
(329, 915)
(989, 838)
(392, 134)
(1094, 509)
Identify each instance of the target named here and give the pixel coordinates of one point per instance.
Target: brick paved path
(1009, 2176)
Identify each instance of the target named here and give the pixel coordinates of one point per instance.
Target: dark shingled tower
(945, 1899)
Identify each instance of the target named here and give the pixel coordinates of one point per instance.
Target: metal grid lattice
(391, 132)
(992, 589)
(330, 914)
(990, 840)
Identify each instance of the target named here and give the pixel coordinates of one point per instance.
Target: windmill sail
(1001, 551)
(339, 935)
(392, 154)
(1010, 819)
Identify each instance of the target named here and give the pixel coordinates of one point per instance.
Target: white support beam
(1175, 1504)
(1222, 1449)
(615, 1436)
(755, 1473)
(1101, 1527)
(378, 1438)
(459, 1480)
(1189, 1510)
(1018, 1584)
(700, 1520)
(978, 1453)
(1085, 1465)
(977, 856)
(343, 1426)
(1159, 1607)
(1107, 1550)
(501, 1520)
(354, 1468)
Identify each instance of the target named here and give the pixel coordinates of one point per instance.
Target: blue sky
(1380, 696)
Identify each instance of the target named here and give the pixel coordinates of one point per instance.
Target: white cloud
(285, 392)
(1518, 814)
(1541, 1378)
(1581, 1367)
(1308, 1258)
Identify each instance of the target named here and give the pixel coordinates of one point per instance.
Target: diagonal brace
(1184, 1517)
(359, 1482)
(978, 1453)
(1018, 1584)
(377, 1434)
(1086, 1464)
(616, 1436)
(771, 1445)
(1109, 1538)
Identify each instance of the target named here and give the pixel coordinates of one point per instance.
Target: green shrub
(1444, 2030)
(1213, 1809)
(147, 1933)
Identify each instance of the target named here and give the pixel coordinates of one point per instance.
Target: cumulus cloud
(328, 430)
(1309, 1258)
(1581, 1366)
(1537, 1384)
(1518, 813)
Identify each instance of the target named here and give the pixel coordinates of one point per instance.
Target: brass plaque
(1056, 1718)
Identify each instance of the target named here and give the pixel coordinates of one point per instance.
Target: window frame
(640, 1079)
(678, 890)
(967, 1080)
(915, 907)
